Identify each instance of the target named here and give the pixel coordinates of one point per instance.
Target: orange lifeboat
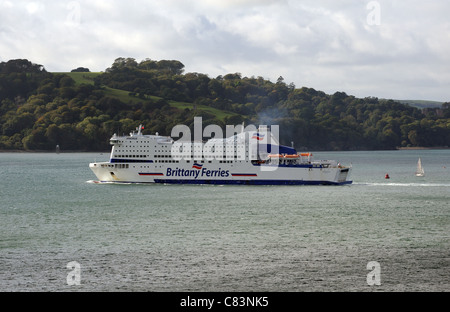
(275, 156)
(293, 156)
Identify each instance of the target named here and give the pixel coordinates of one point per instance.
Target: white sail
(419, 171)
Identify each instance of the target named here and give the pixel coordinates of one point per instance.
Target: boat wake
(99, 182)
(402, 184)
(117, 183)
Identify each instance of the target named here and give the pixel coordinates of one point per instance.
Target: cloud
(324, 44)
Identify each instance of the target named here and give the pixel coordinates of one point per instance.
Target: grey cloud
(324, 44)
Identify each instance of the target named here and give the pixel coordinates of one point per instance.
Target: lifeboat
(275, 156)
(293, 156)
(305, 154)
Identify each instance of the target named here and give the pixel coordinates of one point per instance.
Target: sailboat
(419, 171)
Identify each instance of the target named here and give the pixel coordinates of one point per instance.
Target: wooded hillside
(81, 110)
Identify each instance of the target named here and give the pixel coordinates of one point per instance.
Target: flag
(197, 166)
(258, 136)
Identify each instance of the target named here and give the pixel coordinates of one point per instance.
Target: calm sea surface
(225, 238)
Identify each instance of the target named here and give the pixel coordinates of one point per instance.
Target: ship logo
(258, 136)
(197, 166)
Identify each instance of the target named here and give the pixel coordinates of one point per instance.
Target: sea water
(59, 231)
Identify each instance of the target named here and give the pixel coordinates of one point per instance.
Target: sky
(397, 49)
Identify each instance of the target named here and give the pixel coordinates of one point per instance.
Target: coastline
(109, 151)
(423, 148)
(52, 152)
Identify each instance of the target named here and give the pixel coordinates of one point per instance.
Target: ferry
(251, 157)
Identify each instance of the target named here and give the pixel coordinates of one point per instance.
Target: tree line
(39, 110)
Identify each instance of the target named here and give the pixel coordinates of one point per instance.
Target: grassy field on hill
(80, 78)
(122, 95)
(421, 103)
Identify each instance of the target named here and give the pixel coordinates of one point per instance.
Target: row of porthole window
(116, 166)
(130, 156)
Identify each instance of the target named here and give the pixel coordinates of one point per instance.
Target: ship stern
(343, 175)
